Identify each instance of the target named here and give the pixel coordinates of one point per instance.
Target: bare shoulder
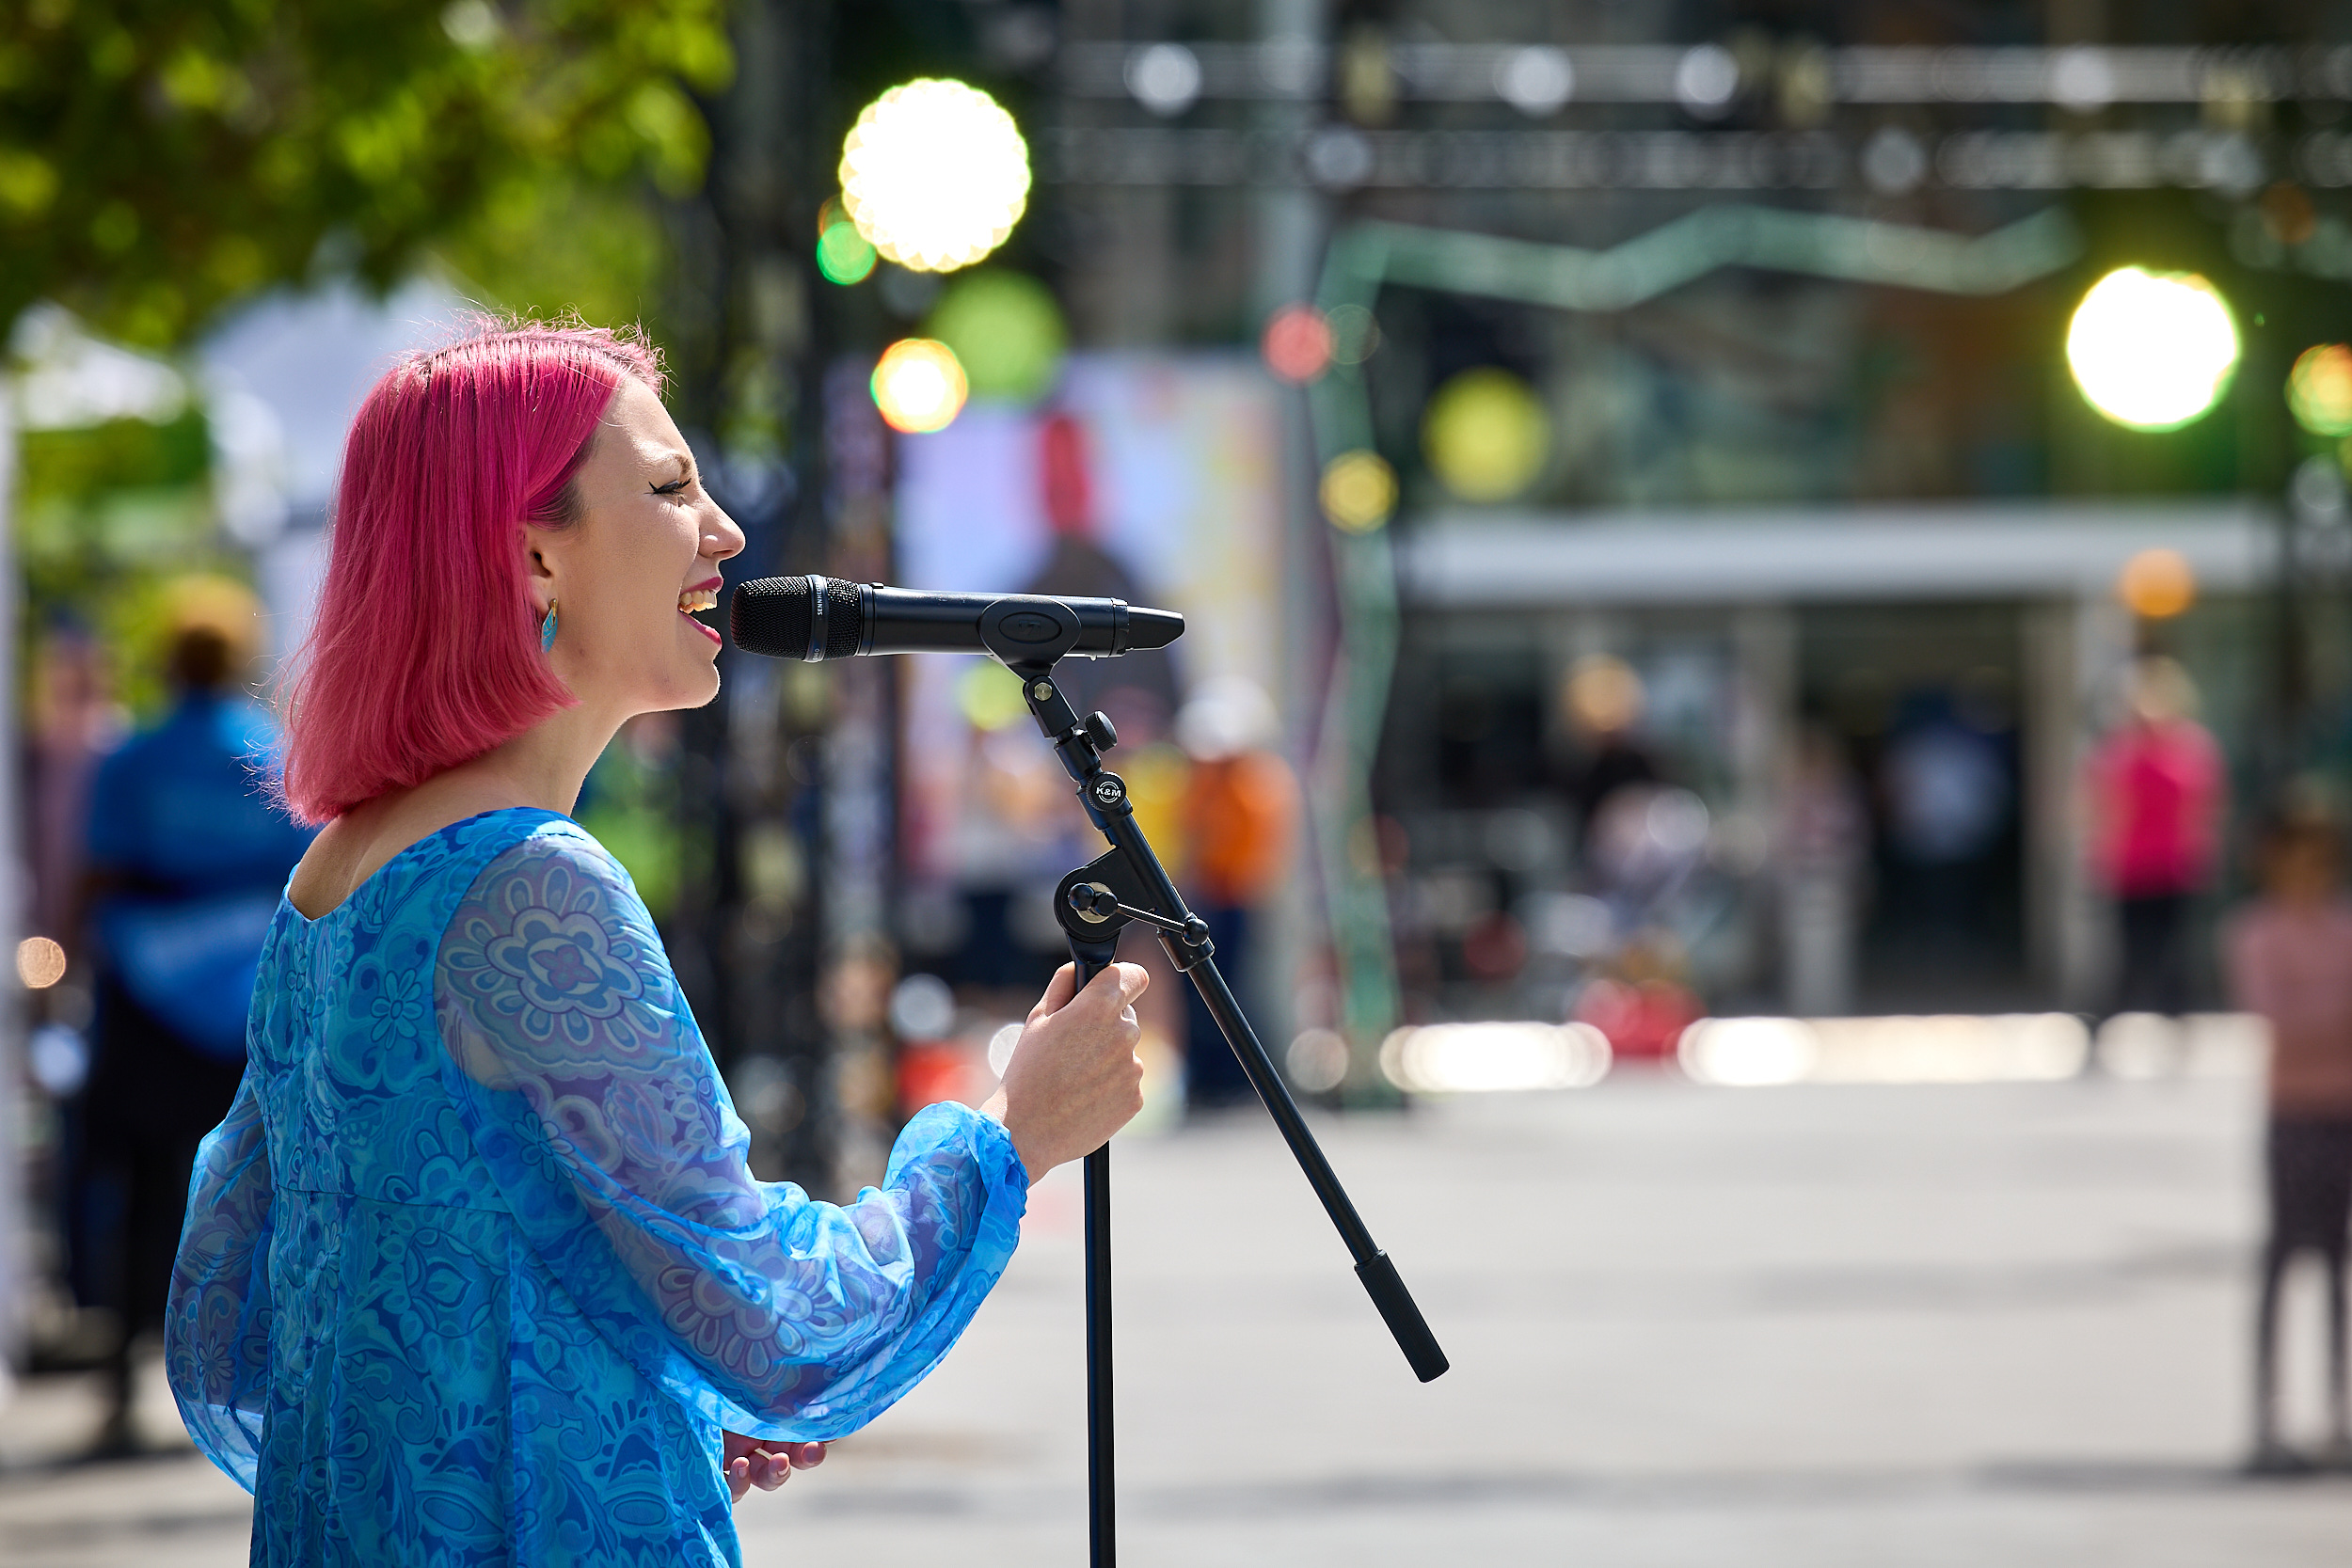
(357, 844)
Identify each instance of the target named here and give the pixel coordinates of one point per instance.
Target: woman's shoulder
(553, 863)
(357, 861)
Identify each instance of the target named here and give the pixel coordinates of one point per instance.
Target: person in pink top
(2289, 957)
(2157, 787)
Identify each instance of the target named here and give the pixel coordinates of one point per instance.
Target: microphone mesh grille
(844, 628)
(771, 616)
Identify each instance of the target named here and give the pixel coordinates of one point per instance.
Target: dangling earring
(547, 630)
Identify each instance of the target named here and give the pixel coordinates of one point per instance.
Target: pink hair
(425, 652)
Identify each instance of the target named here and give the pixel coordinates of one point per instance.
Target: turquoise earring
(547, 630)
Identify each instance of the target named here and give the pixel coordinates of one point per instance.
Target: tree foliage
(160, 158)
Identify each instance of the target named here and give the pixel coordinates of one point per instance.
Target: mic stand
(1127, 885)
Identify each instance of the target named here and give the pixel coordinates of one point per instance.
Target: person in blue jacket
(187, 853)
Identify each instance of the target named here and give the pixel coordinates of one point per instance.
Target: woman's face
(628, 577)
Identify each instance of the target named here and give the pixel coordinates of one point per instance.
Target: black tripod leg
(1101, 1492)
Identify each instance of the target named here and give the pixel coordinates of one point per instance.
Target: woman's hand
(756, 1462)
(1073, 1079)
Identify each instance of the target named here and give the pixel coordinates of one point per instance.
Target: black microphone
(817, 618)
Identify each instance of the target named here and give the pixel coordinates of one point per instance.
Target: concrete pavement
(2000, 1324)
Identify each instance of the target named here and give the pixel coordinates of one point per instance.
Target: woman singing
(475, 1270)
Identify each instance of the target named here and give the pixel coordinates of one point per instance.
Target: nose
(721, 539)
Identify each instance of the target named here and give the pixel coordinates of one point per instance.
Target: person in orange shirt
(1239, 815)
(2289, 956)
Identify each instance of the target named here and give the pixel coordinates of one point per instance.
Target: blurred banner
(1151, 478)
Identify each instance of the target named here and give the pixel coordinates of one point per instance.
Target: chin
(701, 690)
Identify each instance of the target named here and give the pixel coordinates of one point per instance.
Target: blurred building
(1731, 344)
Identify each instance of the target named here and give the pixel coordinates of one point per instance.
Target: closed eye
(675, 485)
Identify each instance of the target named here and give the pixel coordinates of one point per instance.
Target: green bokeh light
(843, 254)
(1005, 329)
(2319, 390)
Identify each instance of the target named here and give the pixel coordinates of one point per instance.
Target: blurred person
(2289, 958)
(1823, 850)
(475, 1270)
(1017, 829)
(1602, 699)
(1240, 812)
(1645, 843)
(73, 722)
(185, 856)
(2156, 789)
(1948, 797)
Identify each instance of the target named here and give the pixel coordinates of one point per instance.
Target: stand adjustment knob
(1100, 730)
(1093, 901)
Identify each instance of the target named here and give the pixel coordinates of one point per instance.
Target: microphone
(818, 617)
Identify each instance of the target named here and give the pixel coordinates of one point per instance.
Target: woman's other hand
(756, 1462)
(1073, 1079)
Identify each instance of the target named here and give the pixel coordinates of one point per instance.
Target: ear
(539, 571)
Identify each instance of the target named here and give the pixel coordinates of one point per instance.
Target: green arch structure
(1364, 258)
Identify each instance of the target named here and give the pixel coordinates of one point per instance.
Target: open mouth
(695, 599)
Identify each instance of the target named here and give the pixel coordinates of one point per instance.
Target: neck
(545, 766)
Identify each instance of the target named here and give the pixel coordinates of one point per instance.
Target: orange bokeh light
(2156, 585)
(919, 386)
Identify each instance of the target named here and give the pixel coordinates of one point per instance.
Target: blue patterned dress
(474, 1272)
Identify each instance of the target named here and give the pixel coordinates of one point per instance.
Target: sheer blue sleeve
(595, 1105)
(216, 1325)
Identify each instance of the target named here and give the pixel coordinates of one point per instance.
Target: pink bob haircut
(425, 653)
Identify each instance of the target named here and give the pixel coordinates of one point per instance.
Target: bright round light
(1165, 78)
(2319, 390)
(934, 174)
(1359, 491)
(39, 962)
(2152, 350)
(918, 386)
(1486, 434)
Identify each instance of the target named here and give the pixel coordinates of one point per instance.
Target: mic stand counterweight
(1094, 904)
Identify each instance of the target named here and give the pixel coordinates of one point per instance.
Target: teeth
(697, 598)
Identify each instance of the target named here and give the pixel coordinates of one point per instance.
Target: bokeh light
(1473, 1058)
(1358, 490)
(2152, 351)
(2319, 390)
(1317, 1061)
(1005, 329)
(1297, 343)
(1486, 434)
(39, 962)
(989, 696)
(934, 174)
(843, 255)
(918, 386)
(2156, 585)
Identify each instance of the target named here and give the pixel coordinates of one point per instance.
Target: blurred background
(1754, 572)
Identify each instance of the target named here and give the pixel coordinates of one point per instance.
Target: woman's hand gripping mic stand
(1095, 903)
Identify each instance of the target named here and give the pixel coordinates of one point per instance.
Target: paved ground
(1816, 1326)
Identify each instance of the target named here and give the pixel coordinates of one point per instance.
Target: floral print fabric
(475, 1273)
